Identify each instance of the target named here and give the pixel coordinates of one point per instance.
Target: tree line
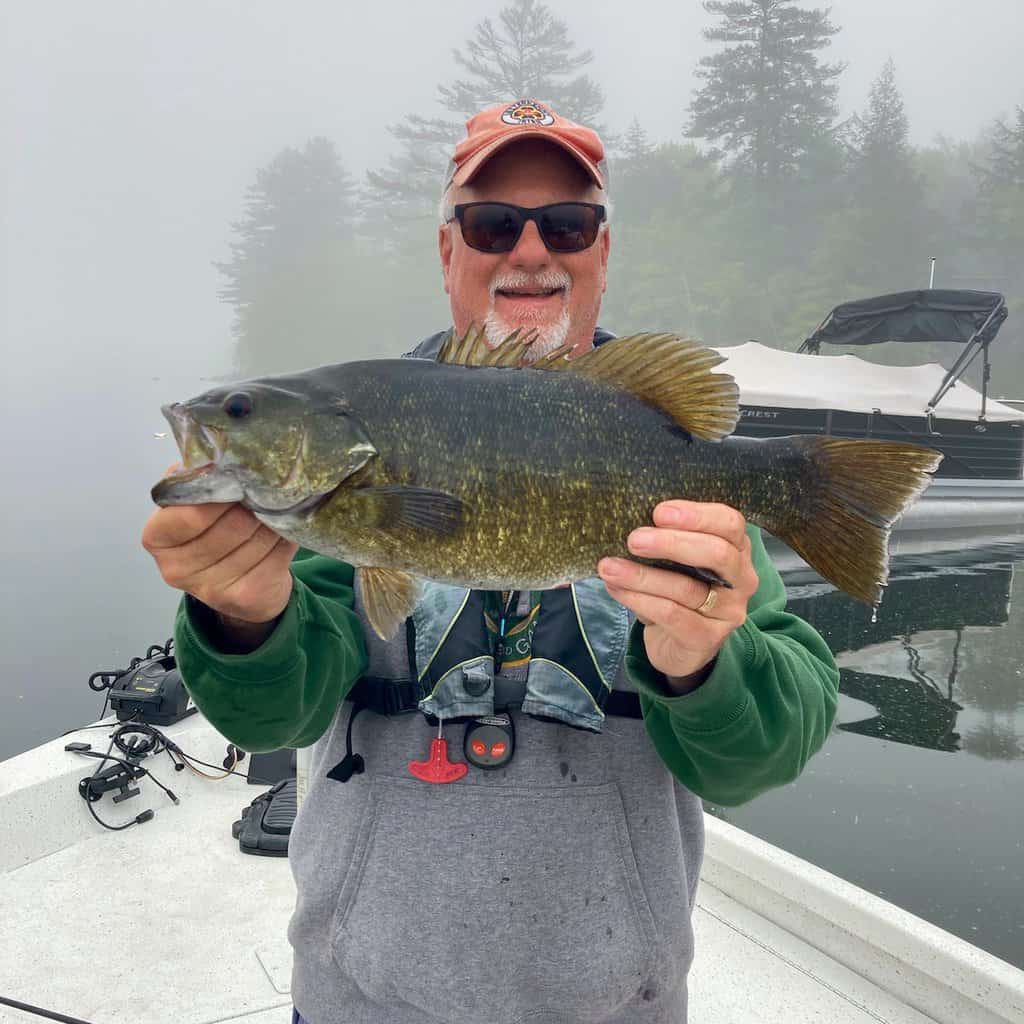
(765, 212)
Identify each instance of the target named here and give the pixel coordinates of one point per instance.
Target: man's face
(556, 294)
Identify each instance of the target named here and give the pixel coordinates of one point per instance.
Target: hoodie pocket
(478, 902)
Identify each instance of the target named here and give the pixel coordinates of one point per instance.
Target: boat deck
(169, 922)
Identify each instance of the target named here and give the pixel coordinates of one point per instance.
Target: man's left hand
(680, 641)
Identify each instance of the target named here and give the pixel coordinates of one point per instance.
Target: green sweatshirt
(765, 708)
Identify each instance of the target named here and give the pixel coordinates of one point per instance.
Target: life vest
(576, 654)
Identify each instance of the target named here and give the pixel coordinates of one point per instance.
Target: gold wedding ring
(709, 602)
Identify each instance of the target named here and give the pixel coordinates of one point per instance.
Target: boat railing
(949, 457)
(979, 342)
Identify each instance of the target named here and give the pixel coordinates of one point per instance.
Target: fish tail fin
(855, 491)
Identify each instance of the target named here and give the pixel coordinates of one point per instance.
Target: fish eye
(238, 405)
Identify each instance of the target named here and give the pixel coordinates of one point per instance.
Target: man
(552, 876)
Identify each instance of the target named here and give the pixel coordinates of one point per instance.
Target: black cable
(351, 764)
(99, 725)
(108, 676)
(140, 818)
(154, 742)
(127, 764)
(173, 748)
(49, 1014)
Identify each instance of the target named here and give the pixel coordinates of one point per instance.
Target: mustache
(545, 280)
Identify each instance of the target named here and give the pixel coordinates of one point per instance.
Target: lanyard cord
(509, 597)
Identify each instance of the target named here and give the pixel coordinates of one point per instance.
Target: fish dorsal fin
(666, 371)
(472, 348)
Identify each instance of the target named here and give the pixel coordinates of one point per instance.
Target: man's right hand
(223, 555)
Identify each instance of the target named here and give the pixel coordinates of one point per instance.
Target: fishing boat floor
(169, 922)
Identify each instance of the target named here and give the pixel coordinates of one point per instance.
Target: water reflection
(941, 666)
(907, 711)
(914, 796)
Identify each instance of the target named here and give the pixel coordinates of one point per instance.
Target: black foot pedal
(267, 822)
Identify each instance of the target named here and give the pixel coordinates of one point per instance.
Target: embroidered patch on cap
(528, 112)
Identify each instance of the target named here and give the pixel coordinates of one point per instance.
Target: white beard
(549, 335)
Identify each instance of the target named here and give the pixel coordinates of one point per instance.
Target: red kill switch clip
(437, 768)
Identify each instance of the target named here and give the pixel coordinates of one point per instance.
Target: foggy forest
(766, 211)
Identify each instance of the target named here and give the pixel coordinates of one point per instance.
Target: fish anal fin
(389, 597)
(667, 371)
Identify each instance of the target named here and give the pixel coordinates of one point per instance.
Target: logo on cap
(528, 112)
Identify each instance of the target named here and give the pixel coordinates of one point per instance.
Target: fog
(133, 129)
(131, 132)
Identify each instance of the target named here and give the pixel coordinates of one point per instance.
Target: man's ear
(444, 247)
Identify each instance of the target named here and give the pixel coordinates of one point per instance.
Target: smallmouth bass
(477, 471)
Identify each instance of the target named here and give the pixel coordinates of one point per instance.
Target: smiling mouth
(542, 293)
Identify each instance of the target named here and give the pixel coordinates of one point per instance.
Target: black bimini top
(921, 316)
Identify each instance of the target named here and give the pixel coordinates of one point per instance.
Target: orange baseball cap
(497, 127)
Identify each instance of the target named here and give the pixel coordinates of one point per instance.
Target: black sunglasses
(496, 227)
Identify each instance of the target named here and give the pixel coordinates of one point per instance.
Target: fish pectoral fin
(388, 597)
(667, 371)
(413, 508)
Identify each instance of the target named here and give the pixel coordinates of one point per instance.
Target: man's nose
(530, 252)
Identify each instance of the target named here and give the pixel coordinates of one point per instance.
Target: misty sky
(132, 129)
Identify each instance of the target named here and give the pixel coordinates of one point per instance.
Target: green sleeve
(766, 707)
(286, 692)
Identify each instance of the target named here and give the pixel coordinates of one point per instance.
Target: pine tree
(999, 224)
(878, 237)
(766, 97)
(281, 277)
(1004, 167)
(893, 235)
(528, 54)
(882, 134)
(670, 246)
(636, 145)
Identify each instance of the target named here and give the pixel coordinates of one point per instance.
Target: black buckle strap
(385, 696)
(397, 696)
(624, 704)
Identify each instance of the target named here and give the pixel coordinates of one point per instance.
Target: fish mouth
(201, 447)
(202, 450)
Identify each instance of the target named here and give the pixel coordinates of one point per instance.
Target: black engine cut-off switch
(490, 741)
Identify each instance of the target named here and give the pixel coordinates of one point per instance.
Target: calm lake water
(917, 795)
